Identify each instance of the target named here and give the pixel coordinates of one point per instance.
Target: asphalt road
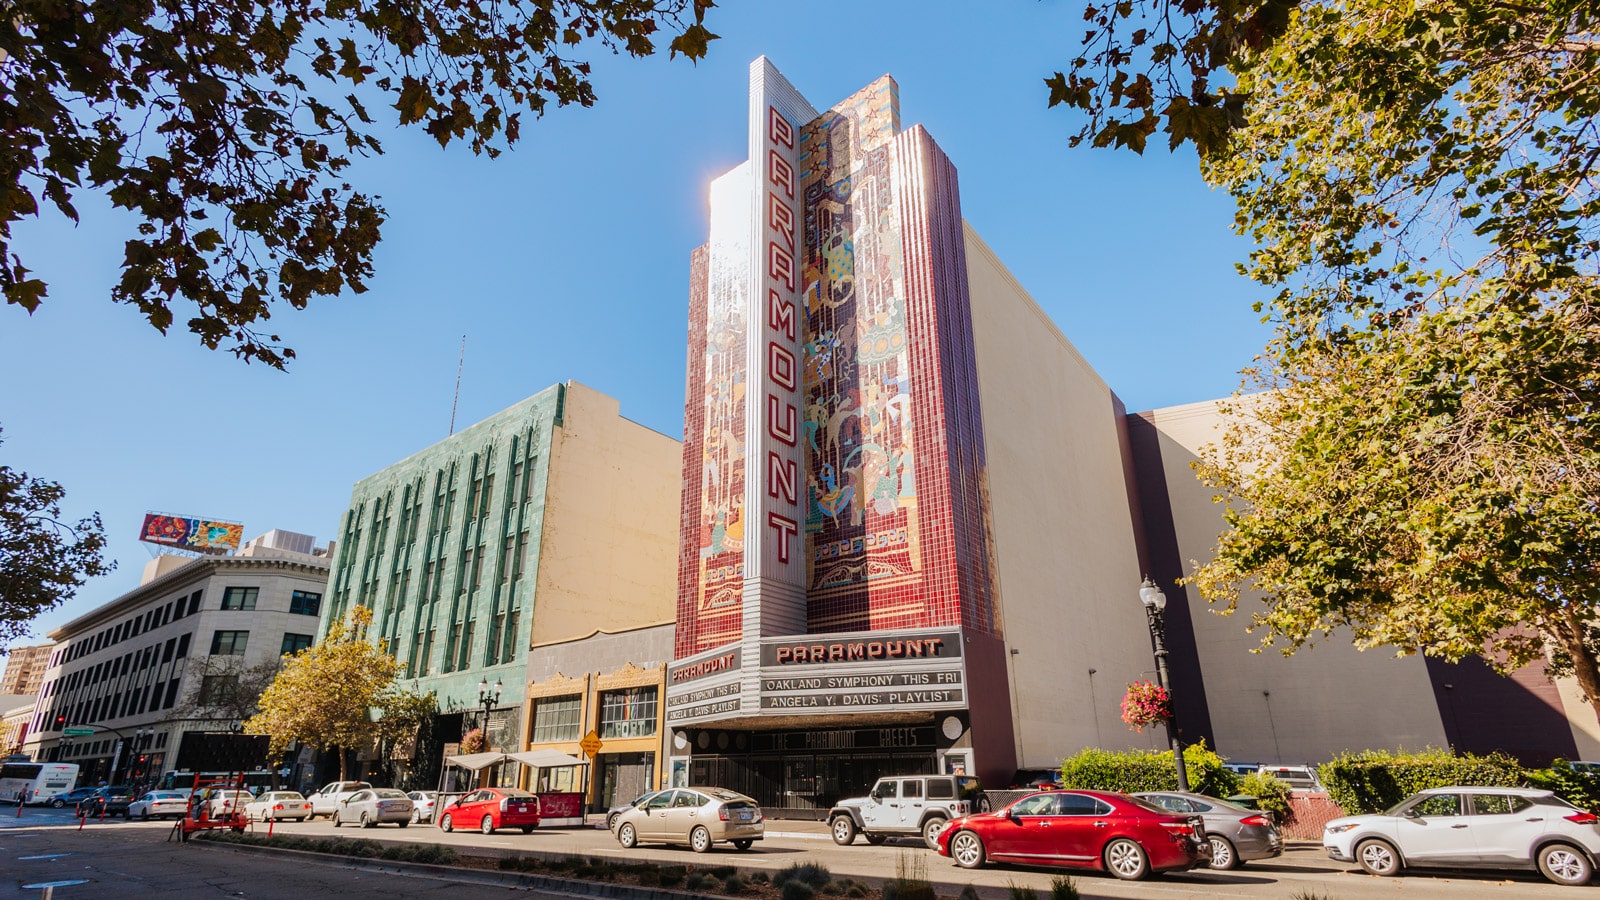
(118, 859)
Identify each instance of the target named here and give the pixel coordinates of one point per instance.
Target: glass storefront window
(628, 713)
(555, 719)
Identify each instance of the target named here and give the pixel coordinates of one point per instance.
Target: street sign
(590, 744)
(76, 732)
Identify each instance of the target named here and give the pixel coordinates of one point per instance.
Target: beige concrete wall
(1327, 698)
(608, 551)
(1581, 716)
(1068, 570)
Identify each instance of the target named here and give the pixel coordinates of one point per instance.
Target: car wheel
(1564, 864)
(446, 823)
(57, 804)
(144, 816)
(876, 839)
(700, 839)
(743, 844)
(844, 830)
(527, 829)
(627, 836)
(611, 822)
(967, 850)
(1378, 858)
(1126, 860)
(336, 822)
(487, 825)
(1223, 856)
(365, 822)
(403, 824)
(416, 815)
(983, 803)
(931, 829)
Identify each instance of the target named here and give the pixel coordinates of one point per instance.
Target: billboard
(188, 533)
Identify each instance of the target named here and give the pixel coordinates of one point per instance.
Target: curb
(527, 880)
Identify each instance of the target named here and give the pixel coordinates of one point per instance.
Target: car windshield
(513, 792)
(389, 795)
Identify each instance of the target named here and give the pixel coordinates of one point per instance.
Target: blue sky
(567, 258)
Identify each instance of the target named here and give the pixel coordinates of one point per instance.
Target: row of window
(301, 603)
(626, 713)
(234, 643)
(305, 603)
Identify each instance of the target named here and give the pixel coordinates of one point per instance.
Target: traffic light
(61, 722)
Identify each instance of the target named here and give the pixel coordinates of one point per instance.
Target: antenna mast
(457, 398)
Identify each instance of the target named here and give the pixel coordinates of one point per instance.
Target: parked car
(277, 806)
(1242, 768)
(374, 806)
(422, 805)
(1237, 834)
(1112, 832)
(492, 808)
(72, 797)
(1585, 766)
(111, 801)
(620, 808)
(906, 805)
(325, 801)
(1036, 779)
(157, 804)
(1300, 778)
(699, 817)
(1472, 827)
(222, 803)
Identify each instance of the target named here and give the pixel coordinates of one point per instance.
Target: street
(134, 859)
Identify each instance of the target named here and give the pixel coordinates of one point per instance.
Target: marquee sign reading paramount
(825, 674)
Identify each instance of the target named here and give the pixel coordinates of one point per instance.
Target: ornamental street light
(1155, 605)
(489, 696)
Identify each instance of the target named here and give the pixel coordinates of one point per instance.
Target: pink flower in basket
(1145, 704)
(473, 741)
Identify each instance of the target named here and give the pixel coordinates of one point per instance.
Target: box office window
(555, 719)
(628, 713)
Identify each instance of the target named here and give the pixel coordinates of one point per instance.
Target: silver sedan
(1237, 834)
(371, 806)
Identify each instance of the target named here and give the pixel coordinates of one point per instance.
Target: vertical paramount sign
(775, 568)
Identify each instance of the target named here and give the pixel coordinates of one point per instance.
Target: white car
(159, 803)
(278, 805)
(422, 805)
(224, 803)
(325, 801)
(1472, 827)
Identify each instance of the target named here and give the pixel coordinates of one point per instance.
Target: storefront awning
(546, 759)
(475, 761)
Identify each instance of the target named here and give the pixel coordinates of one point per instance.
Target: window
(1438, 805)
(305, 603)
(183, 646)
(216, 690)
(1498, 804)
(1037, 805)
(913, 788)
(1079, 805)
(194, 603)
(628, 713)
(229, 643)
(239, 597)
(294, 643)
(555, 719)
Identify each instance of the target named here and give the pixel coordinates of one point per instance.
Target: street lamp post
(1155, 605)
(488, 695)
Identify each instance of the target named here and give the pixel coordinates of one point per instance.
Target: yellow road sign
(590, 744)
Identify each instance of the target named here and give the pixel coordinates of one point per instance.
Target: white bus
(36, 782)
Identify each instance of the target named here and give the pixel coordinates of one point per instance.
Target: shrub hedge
(1374, 780)
(1270, 793)
(1148, 770)
(1576, 786)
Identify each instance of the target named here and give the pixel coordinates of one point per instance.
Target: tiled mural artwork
(896, 511)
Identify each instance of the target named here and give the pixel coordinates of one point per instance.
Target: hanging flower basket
(1146, 704)
(473, 741)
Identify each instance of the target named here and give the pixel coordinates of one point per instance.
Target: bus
(36, 782)
(255, 780)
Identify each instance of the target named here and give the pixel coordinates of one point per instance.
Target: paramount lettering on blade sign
(860, 650)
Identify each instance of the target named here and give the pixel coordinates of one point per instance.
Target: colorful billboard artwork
(183, 532)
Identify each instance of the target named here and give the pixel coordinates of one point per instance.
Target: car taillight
(722, 813)
(503, 803)
(1179, 827)
(1255, 820)
(278, 807)
(1583, 818)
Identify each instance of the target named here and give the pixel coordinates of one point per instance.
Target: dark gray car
(1237, 834)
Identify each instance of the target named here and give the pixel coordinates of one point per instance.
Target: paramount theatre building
(888, 449)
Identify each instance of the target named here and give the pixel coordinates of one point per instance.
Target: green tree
(1418, 180)
(338, 694)
(226, 128)
(43, 559)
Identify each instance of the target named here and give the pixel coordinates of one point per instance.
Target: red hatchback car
(491, 808)
(1087, 829)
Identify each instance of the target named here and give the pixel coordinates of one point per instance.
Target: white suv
(325, 801)
(1472, 827)
(906, 805)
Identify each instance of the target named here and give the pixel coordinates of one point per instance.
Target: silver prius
(1472, 827)
(699, 817)
(372, 806)
(1237, 835)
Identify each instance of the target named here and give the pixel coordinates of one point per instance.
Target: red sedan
(491, 808)
(1087, 829)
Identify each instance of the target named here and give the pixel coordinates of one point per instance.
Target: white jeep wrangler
(906, 805)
